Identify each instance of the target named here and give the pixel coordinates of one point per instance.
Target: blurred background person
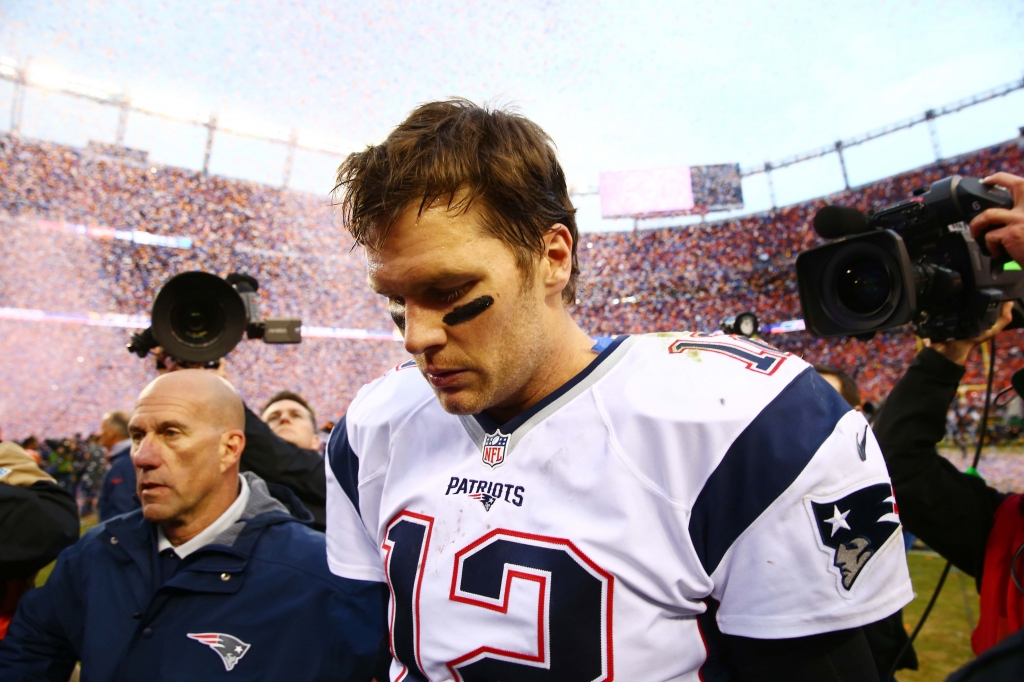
(118, 494)
(38, 519)
(292, 419)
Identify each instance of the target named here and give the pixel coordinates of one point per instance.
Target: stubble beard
(508, 372)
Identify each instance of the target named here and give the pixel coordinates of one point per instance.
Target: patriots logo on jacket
(494, 448)
(855, 527)
(229, 648)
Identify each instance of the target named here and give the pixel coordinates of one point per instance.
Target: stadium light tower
(211, 127)
(933, 132)
(293, 140)
(842, 163)
(9, 70)
(122, 121)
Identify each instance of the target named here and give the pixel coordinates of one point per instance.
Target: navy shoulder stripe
(762, 462)
(344, 462)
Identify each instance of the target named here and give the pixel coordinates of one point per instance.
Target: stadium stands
(692, 277)
(60, 208)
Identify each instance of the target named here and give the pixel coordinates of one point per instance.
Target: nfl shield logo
(494, 448)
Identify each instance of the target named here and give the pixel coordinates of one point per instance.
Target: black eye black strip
(465, 313)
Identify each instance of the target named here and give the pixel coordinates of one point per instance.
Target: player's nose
(423, 330)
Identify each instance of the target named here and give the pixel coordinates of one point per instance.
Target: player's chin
(460, 400)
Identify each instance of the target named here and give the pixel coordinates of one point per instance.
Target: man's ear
(557, 259)
(232, 443)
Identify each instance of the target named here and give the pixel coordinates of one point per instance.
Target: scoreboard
(679, 190)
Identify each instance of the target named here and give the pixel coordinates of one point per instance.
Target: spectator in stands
(291, 418)
(118, 495)
(214, 570)
(674, 278)
(38, 519)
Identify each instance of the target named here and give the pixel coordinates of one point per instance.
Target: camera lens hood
(198, 317)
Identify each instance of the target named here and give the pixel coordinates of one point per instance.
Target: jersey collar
(479, 426)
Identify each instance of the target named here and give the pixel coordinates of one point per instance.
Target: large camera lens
(857, 285)
(863, 284)
(198, 317)
(197, 321)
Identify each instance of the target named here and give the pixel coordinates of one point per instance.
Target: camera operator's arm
(276, 460)
(1009, 238)
(951, 511)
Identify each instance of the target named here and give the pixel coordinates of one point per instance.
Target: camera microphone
(833, 222)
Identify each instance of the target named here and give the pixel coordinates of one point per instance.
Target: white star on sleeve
(838, 520)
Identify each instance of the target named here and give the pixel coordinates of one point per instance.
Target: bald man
(217, 572)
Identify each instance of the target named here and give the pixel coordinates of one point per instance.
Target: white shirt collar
(210, 533)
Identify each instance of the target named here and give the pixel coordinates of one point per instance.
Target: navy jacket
(258, 604)
(118, 494)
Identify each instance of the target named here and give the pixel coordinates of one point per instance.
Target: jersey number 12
(574, 610)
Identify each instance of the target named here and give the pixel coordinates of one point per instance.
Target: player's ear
(556, 262)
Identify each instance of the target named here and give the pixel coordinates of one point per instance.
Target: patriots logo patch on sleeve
(228, 647)
(853, 528)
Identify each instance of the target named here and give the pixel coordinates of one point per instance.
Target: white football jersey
(680, 487)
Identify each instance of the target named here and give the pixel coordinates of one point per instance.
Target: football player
(546, 506)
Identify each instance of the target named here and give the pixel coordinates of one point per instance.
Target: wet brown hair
(461, 153)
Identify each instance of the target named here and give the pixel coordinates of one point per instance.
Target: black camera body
(912, 262)
(198, 318)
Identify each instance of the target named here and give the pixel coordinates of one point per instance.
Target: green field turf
(945, 641)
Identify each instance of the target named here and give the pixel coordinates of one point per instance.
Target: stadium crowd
(665, 279)
(691, 277)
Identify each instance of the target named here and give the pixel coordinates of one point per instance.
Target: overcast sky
(618, 85)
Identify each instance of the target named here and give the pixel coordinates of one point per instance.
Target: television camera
(915, 262)
(198, 318)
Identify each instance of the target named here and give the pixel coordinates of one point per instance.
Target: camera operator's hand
(957, 351)
(166, 363)
(1008, 239)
